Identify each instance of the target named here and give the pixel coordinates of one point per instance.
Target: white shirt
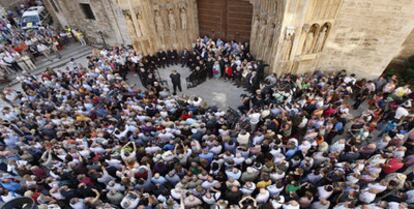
(248, 190)
(400, 112)
(366, 196)
(197, 103)
(303, 122)
(208, 184)
(114, 163)
(254, 118)
(9, 59)
(78, 205)
(153, 149)
(274, 191)
(323, 194)
(340, 206)
(258, 139)
(129, 203)
(410, 196)
(289, 206)
(213, 199)
(262, 197)
(377, 186)
(337, 147)
(349, 79)
(41, 47)
(243, 139)
(135, 59)
(235, 176)
(393, 205)
(9, 196)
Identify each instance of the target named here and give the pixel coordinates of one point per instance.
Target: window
(32, 19)
(87, 10)
(53, 3)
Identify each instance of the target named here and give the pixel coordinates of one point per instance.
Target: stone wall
(155, 25)
(361, 36)
(266, 28)
(56, 10)
(407, 49)
(368, 35)
(305, 27)
(108, 20)
(293, 36)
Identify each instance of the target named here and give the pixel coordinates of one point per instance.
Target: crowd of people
(207, 60)
(19, 48)
(218, 59)
(83, 138)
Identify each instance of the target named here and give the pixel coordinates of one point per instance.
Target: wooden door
(225, 19)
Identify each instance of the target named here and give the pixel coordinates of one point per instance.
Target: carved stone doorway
(225, 19)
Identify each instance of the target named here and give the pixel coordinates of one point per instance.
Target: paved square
(214, 91)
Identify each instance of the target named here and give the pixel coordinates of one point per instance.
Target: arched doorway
(225, 19)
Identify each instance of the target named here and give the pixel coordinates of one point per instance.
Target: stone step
(65, 60)
(69, 48)
(85, 51)
(66, 55)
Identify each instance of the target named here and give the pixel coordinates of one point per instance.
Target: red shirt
(39, 173)
(185, 116)
(19, 48)
(228, 71)
(329, 112)
(35, 195)
(392, 166)
(87, 181)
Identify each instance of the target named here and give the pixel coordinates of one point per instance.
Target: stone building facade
(407, 49)
(155, 25)
(99, 20)
(368, 35)
(293, 36)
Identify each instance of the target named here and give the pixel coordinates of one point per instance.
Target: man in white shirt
(350, 79)
(43, 49)
(401, 112)
(11, 61)
(254, 119)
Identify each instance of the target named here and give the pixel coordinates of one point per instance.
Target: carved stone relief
(262, 34)
(268, 43)
(140, 24)
(130, 24)
(255, 28)
(159, 25)
(183, 18)
(171, 20)
(287, 45)
(133, 29)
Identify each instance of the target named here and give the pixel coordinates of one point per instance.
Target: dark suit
(176, 82)
(184, 58)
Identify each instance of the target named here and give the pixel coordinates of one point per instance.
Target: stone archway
(225, 19)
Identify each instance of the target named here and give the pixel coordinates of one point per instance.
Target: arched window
(322, 36)
(309, 44)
